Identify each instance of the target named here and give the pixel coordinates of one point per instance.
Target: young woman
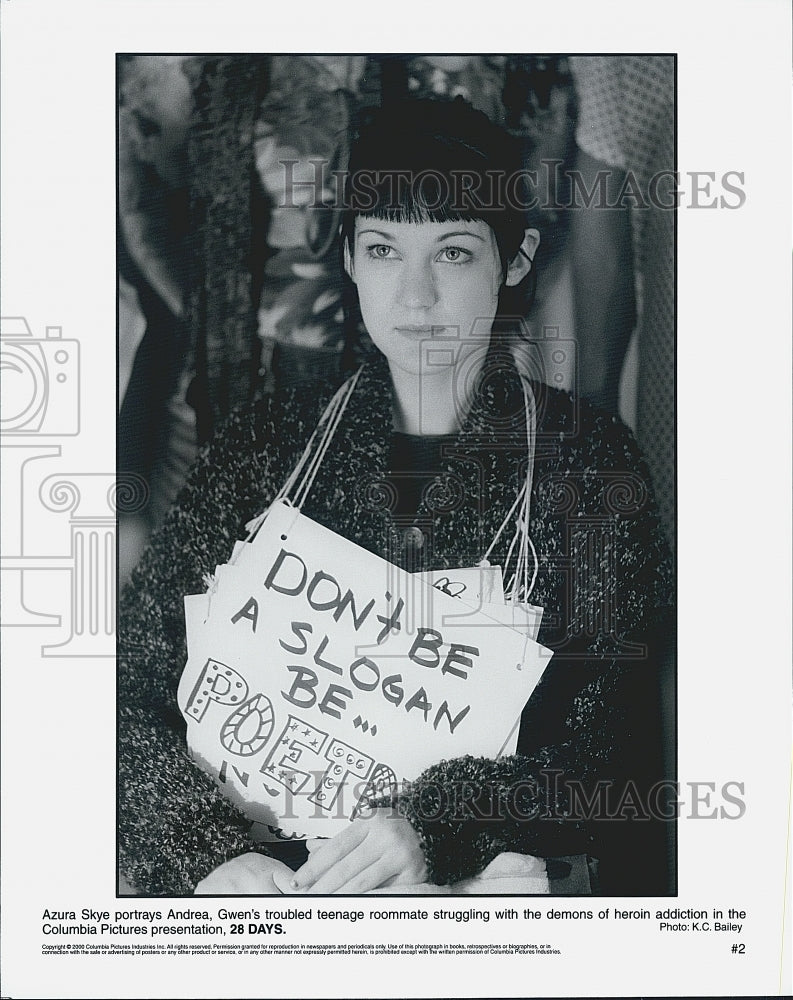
(435, 244)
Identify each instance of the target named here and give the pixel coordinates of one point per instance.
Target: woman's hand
(247, 875)
(373, 850)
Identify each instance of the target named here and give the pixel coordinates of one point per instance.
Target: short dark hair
(436, 161)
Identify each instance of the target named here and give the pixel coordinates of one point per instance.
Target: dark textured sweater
(603, 581)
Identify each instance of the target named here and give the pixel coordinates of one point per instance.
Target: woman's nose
(417, 287)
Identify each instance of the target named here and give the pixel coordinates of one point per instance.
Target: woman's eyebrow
(460, 232)
(378, 232)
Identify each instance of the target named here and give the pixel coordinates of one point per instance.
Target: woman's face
(428, 291)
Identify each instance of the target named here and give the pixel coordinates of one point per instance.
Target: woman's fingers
(248, 874)
(358, 871)
(368, 853)
(365, 880)
(323, 859)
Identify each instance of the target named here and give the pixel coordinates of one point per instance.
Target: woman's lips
(419, 331)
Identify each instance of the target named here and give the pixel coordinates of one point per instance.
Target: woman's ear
(521, 263)
(348, 264)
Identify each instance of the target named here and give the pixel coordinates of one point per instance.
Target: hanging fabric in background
(225, 212)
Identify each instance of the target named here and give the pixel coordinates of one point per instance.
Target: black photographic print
(419, 311)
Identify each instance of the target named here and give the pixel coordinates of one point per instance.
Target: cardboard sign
(319, 675)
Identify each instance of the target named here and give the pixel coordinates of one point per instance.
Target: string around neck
(295, 491)
(518, 586)
(298, 484)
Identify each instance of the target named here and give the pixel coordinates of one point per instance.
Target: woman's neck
(435, 404)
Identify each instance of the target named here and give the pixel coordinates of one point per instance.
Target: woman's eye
(453, 255)
(381, 251)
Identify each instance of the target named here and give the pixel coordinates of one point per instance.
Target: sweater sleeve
(591, 740)
(175, 826)
(559, 799)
